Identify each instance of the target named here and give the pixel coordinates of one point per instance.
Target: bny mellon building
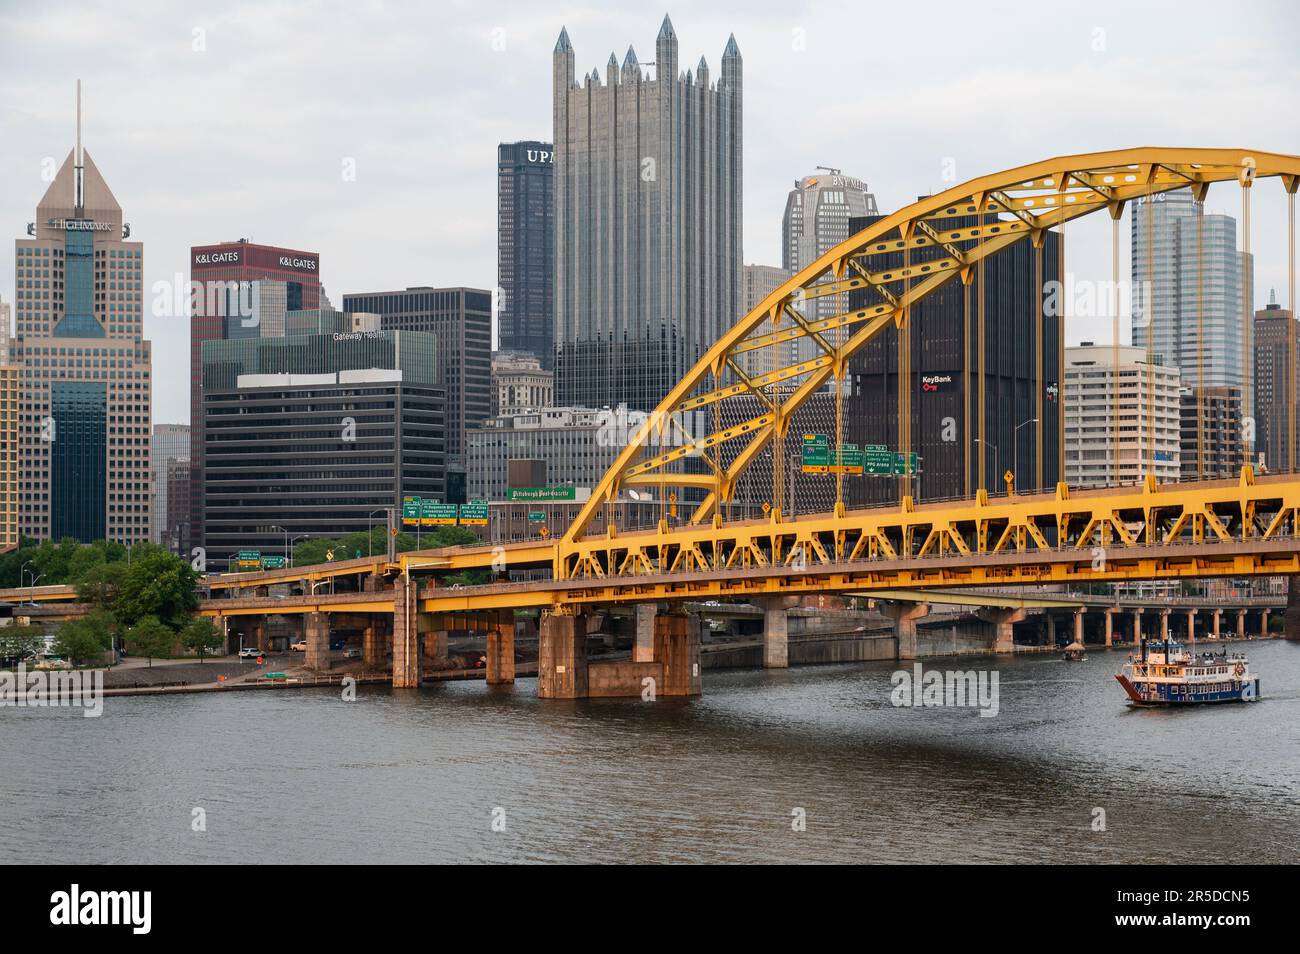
(647, 221)
(85, 411)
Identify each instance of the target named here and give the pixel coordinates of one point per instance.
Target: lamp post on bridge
(1015, 452)
(997, 455)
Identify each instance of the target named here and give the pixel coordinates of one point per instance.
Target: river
(460, 772)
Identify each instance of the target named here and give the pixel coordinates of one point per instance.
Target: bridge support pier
(643, 650)
(1216, 617)
(316, 631)
(1004, 620)
(1109, 638)
(1137, 627)
(905, 616)
(1263, 624)
(434, 641)
(501, 651)
(406, 637)
(776, 630)
(1164, 625)
(1291, 615)
(562, 656)
(259, 634)
(1078, 625)
(371, 654)
(1191, 625)
(1051, 631)
(677, 650)
(1241, 624)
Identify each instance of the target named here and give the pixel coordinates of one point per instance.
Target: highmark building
(86, 385)
(316, 434)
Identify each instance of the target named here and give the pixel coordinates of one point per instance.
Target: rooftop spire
(79, 196)
(562, 45)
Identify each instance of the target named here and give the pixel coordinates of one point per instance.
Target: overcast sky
(216, 121)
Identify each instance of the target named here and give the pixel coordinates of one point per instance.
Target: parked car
(299, 647)
(352, 653)
(52, 662)
(249, 652)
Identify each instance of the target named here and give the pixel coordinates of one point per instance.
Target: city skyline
(186, 178)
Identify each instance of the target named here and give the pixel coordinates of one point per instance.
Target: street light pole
(1015, 453)
(301, 536)
(997, 454)
(370, 530)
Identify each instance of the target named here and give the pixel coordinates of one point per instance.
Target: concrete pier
(905, 616)
(1109, 638)
(406, 638)
(316, 631)
(562, 656)
(372, 653)
(643, 650)
(1003, 621)
(677, 651)
(501, 652)
(776, 630)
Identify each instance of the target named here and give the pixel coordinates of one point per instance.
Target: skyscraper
(171, 442)
(462, 320)
(86, 383)
(981, 404)
(647, 221)
(10, 391)
(1189, 290)
(1091, 443)
(240, 289)
(1277, 336)
(818, 211)
(526, 248)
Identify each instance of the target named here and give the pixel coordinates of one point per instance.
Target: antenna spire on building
(79, 165)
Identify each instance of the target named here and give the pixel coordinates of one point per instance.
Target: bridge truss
(745, 379)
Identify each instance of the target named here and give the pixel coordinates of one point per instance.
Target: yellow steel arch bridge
(1241, 526)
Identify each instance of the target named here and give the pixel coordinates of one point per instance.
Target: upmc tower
(239, 290)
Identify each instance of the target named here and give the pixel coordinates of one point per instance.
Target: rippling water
(301, 776)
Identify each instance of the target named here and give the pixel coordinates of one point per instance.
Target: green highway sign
(249, 558)
(427, 506)
(816, 450)
(536, 516)
(474, 513)
(541, 494)
(904, 464)
(442, 515)
(877, 461)
(272, 562)
(411, 509)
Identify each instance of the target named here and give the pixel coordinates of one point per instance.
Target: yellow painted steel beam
(1036, 196)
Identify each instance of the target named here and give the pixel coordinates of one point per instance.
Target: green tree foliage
(84, 640)
(17, 641)
(154, 583)
(150, 637)
(313, 551)
(202, 636)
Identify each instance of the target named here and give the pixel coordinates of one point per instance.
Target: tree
(99, 582)
(150, 637)
(156, 583)
(17, 641)
(85, 639)
(202, 636)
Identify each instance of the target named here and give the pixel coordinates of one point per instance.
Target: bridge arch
(1009, 207)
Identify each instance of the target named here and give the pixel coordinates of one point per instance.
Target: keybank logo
(102, 907)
